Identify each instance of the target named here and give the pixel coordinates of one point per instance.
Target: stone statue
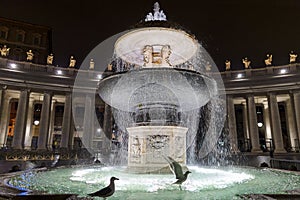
(4, 51)
(136, 148)
(157, 15)
(165, 54)
(109, 67)
(92, 64)
(50, 59)
(246, 63)
(268, 61)
(227, 65)
(72, 62)
(293, 57)
(148, 57)
(149, 17)
(208, 66)
(29, 55)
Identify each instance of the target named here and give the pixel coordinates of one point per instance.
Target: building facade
(42, 107)
(263, 112)
(36, 106)
(20, 37)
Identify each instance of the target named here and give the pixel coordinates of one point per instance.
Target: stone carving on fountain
(135, 151)
(158, 15)
(157, 142)
(136, 148)
(159, 58)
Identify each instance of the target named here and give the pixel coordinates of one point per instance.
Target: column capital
(271, 93)
(25, 90)
(249, 95)
(3, 87)
(295, 92)
(49, 92)
(229, 96)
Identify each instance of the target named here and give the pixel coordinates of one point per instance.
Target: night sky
(228, 29)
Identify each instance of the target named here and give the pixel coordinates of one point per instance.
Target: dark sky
(228, 29)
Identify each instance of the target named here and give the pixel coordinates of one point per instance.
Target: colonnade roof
(16, 75)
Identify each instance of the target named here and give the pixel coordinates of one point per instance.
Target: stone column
(2, 92)
(87, 122)
(21, 119)
(291, 121)
(66, 125)
(28, 132)
(252, 120)
(107, 129)
(51, 125)
(232, 124)
(45, 121)
(245, 122)
(275, 124)
(267, 120)
(71, 135)
(296, 100)
(4, 117)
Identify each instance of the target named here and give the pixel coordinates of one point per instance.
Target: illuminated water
(203, 183)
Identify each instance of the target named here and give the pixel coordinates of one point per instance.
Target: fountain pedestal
(148, 144)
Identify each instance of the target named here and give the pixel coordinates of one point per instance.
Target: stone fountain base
(148, 144)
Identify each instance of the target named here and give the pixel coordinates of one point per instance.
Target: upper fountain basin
(130, 46)
(186, 90)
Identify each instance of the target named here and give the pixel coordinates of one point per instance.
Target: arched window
(36, 39)
(20, 36)
(18, 54)
(3, 32)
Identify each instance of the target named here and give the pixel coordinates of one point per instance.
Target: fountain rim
(5, 179)
(199, 100)
(110, 75)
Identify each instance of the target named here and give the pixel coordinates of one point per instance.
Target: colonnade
(24, 120)
(23, 129)
(271, 122)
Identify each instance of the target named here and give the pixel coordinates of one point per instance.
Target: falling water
(204, 122)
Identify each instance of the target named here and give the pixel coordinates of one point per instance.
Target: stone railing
(266, 71)
(34, 155)
(293, 165)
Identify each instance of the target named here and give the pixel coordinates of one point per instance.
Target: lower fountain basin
(185, 90)
(203, 183)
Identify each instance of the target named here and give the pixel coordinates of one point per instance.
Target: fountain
(155, 94)
(157, 84)
(167, 97)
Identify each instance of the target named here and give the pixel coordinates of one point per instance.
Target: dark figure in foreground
(177, 171)
(107, 191)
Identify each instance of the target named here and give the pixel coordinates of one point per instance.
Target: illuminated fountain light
(240, 75)
(13, 65)
(59, 72)
(283, 71)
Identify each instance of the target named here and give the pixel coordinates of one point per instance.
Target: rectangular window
(3, 34)
(20, 37)
(36, 40)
